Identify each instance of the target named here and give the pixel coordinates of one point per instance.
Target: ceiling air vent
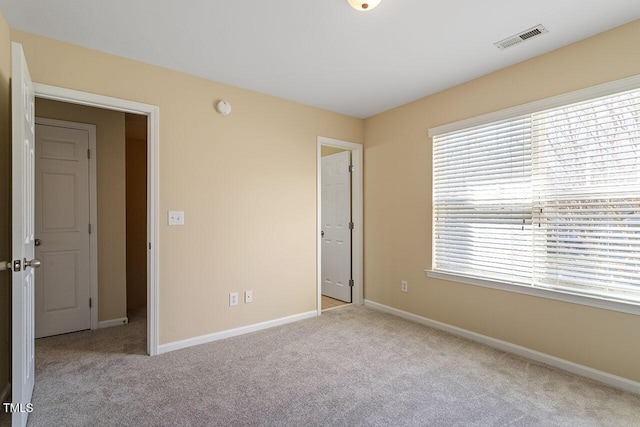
(523, 36)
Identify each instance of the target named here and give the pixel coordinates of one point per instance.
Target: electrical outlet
(405, 286)
(233, 299)
(248, 297)
(175, 217)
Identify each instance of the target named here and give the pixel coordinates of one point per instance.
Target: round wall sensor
(223, 107)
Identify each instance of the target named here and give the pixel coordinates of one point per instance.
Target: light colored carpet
(350, 367)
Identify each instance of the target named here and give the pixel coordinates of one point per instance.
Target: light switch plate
(175, 218)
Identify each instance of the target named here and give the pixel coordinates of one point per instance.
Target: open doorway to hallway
(118, 261)
(336, 227)
(347, 160)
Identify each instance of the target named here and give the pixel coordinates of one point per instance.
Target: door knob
(34, 263)
(322, 233)
(37, 242)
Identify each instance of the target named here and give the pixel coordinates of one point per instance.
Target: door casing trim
(153, 168)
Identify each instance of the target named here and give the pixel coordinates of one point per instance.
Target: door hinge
(90, 303)
(351, 168)
(89, 153)
(16, 265)
(149, 245)
(351, 283)
(89, 228)
(351, 225)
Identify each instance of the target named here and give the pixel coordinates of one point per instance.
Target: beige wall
(325, 150)
(110, 178)
(247, 184)
(398, 211)
(5, 201)
(136, 212)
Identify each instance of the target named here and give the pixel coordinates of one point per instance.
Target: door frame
(357, 235)
(153, 165)
(93, 206)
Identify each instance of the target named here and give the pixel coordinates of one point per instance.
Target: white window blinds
(548, 200)
(482, 201)
(587, 197)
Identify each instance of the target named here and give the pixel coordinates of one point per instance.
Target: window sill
(622, 307)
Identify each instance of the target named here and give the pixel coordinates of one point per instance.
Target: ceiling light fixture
(364, 5)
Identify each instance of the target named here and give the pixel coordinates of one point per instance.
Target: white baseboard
(203, 339)
(547, 359)
(113, 322)
(5, 392)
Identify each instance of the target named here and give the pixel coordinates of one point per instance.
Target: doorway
(335, 235)
(152, 224)
(334, 157)
(64, 298)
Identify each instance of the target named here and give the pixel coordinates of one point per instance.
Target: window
(545, 200)
(587, 197)
(482, 201)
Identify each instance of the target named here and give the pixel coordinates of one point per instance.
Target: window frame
(586, 94)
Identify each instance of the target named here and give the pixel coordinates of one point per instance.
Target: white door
(62, 230)
(22, 324)
(336, 234)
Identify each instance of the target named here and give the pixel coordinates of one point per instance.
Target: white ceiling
(322, 53)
